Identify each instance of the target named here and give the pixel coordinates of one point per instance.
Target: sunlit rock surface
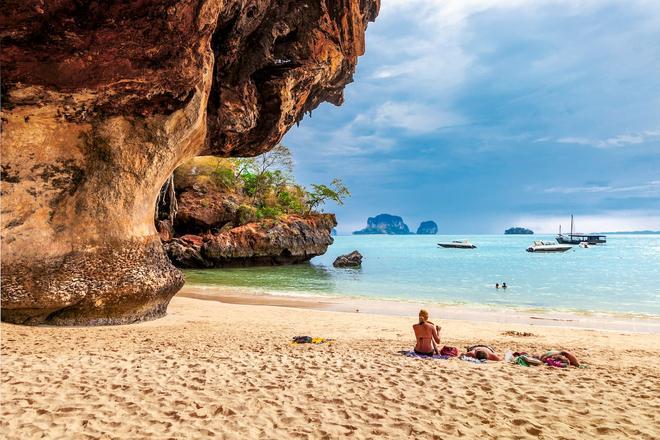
(102, 100)
(290, 239)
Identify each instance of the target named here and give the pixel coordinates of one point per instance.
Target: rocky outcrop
(428, 227)
(102, 100)
(354, 259)
(287, 240)
(384, 224)
(518, 231)
(206, 212)
(214, 222)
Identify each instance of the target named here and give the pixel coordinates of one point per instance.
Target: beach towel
(412, 354)
(522, 360)
(449, 351)
(310, 340)
(472, 360)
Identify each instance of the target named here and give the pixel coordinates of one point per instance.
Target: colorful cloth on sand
(310, 340)
(555, 363)
(522, 360)
(449, 351)
(412, 354)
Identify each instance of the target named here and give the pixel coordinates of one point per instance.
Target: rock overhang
(101, 100)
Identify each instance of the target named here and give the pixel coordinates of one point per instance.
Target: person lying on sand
(559, 358)
(482, 352)
(427, 335)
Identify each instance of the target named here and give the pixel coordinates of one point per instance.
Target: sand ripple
(216, 370)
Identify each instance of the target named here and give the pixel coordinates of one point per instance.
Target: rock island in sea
(226, 216)
(384, 224)
(518, 231)
(428, 227)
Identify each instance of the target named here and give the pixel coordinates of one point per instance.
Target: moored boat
(548, 246)
(458, 244)
(577, 238)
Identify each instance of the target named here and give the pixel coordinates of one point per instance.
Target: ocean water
(622, 276)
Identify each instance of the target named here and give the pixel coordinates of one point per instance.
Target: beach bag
(449, 351)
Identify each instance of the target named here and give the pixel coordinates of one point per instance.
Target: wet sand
(593, 321)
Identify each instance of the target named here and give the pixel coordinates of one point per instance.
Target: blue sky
(485, 114)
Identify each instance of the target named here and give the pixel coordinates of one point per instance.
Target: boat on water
(458, 244)
(548, 246)
(584, 245)
(577, 238)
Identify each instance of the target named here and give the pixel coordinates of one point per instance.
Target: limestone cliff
(102, 100)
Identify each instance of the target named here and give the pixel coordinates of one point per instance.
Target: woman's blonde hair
(423, 316)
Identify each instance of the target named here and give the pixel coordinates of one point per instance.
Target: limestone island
(518, 231)
(384, 224)
(223, 218)
(428, 227)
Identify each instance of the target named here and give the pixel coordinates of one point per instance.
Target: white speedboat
(457, 244)
(548, 246)
(584, 245)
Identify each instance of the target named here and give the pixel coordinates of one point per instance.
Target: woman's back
(425, 333)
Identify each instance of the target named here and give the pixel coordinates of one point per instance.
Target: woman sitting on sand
(482, 352)
(427, 335)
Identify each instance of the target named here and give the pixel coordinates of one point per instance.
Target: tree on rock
(320, 194)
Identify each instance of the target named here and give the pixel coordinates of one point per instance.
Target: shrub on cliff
(268, 212)
(268, 180)
(336, 192)
(263, 186)
(246, 214)
(205, 173)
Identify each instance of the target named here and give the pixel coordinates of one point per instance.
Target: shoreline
(475, 313)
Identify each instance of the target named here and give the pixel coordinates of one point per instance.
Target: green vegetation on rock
(263, 186)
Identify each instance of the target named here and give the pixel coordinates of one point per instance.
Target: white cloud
(342, 141)
(618, 141)
(645, 189)
(416, 118)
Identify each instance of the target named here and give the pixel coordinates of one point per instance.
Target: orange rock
(102, 101)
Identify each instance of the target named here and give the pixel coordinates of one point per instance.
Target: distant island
(428, 227)
(384, 224)
(518, 231)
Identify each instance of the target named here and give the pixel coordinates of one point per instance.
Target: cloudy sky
(485, 114)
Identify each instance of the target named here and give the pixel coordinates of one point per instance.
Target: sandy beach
(213, 369)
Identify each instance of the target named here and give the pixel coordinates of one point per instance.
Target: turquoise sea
(622, 276)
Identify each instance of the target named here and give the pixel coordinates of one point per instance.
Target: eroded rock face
(290, 239)
(102, 100)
